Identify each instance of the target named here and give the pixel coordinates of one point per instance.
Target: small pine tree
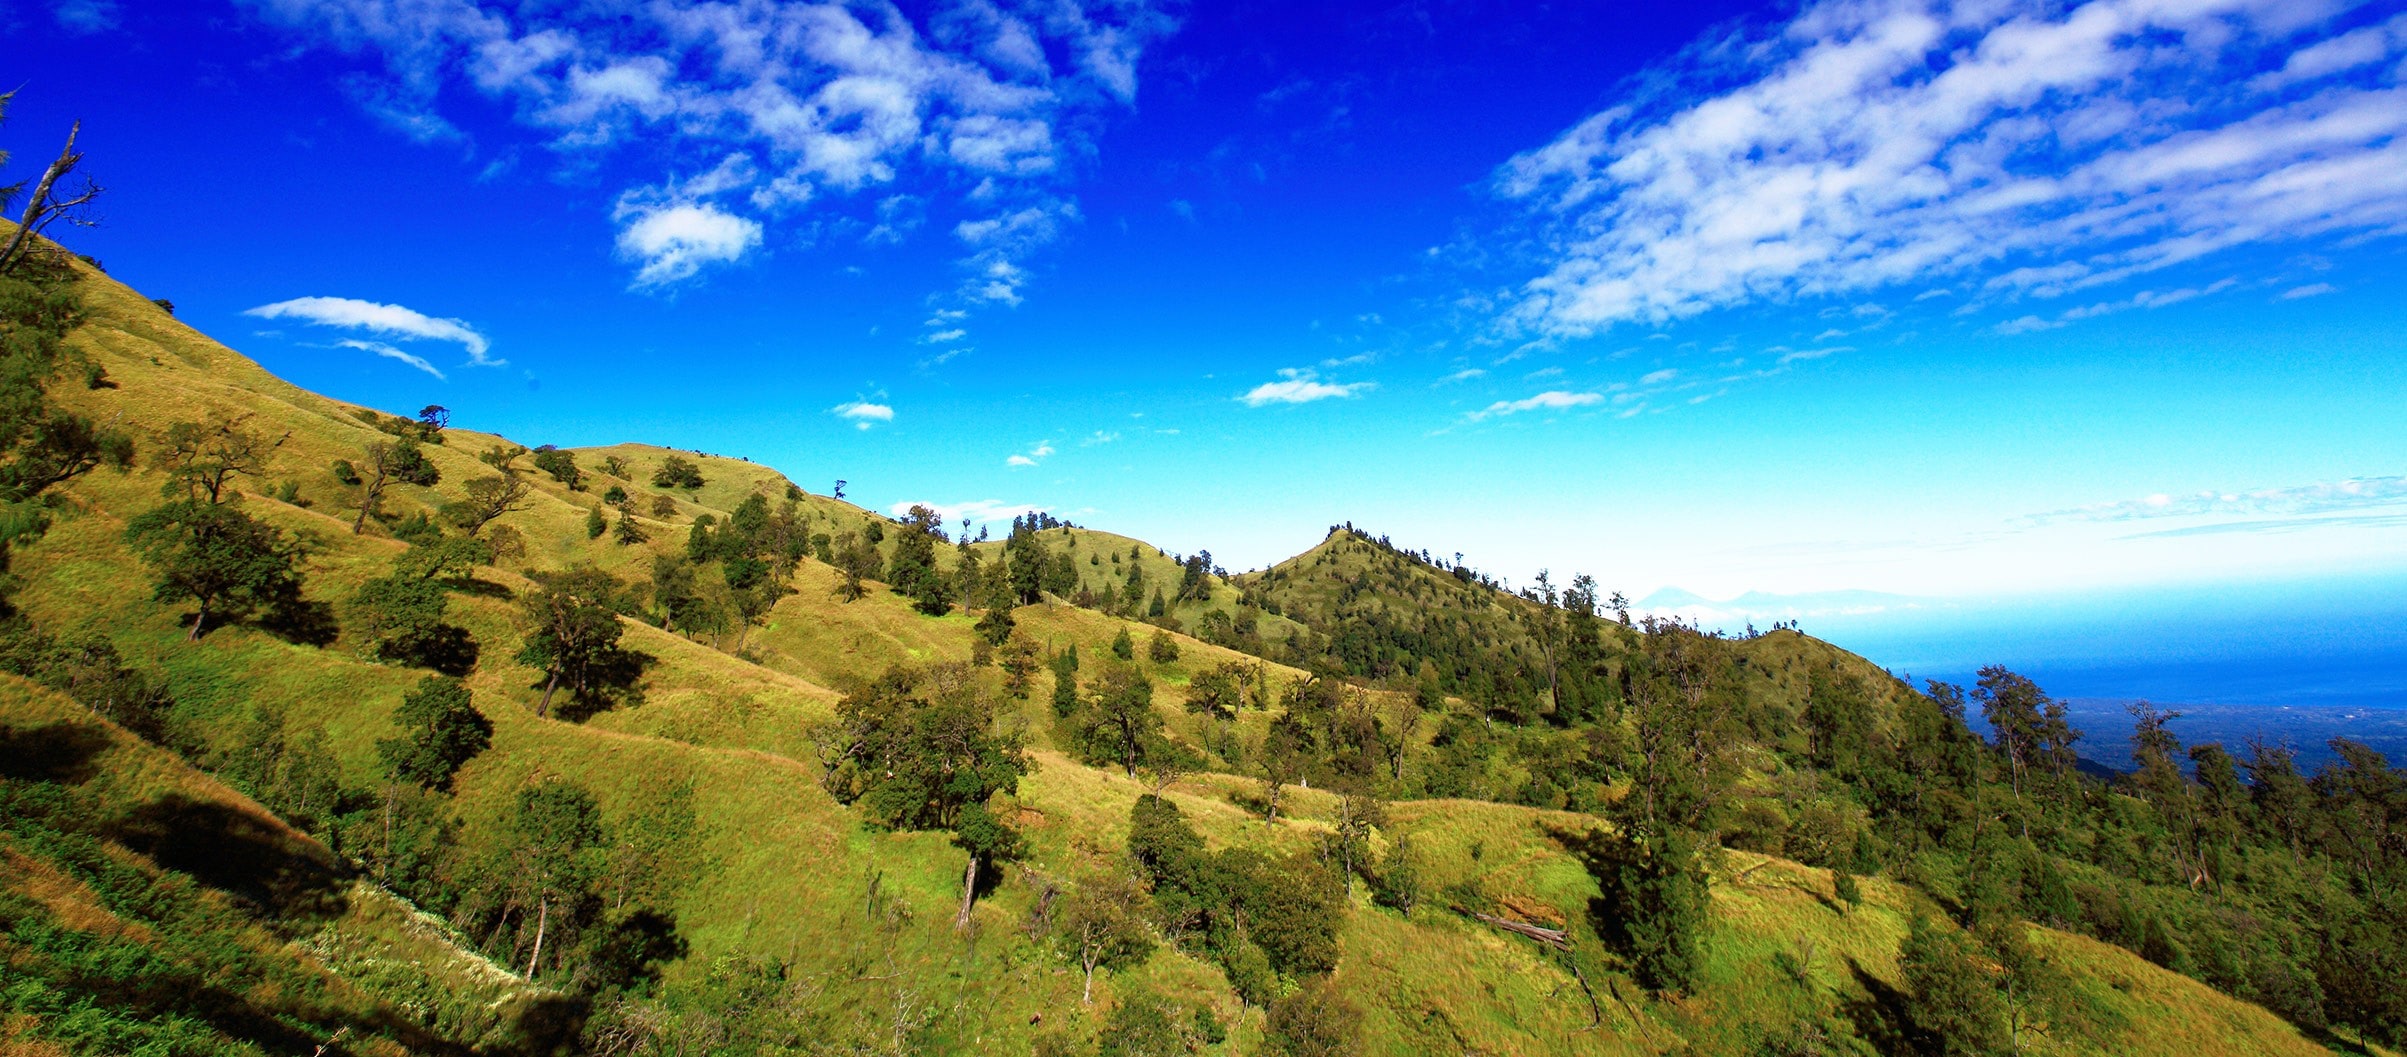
(1161, 649)
(1124, 647)
(595, 525)
(629, 533)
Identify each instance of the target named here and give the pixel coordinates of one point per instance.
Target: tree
(629, 533)
(1161, 649)
(398, 460)
(487, 498)
(558, 825)
(561, 465)
(400, 618)
(227, 563)
(1652, 902)
(1953, 1006)
(918, 750)
(677, 472)
(572, 629)
(48, 202)
(440, 730)
(40, 445)
(1124, 647)
(1281, 761)
(203, 458)
(1104, 924)
(1120, 723)
(595, 524)
(1315, 1021)
(912, 571)
(433, 419)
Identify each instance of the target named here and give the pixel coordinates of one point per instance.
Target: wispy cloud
(389, 321)
(1032, 456)
(1299, 386)
(2355, 493)
(1870, 143)
(1551, 400)
(1464, 375)
(2296, 293)
(391, 353)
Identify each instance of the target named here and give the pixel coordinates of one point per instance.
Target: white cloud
(1659, 377)
(2310, 290)
(2025, 325)
(1099, 437)
(1300, 387)
(1464, 375)
(391, 321)
(816, 101)
(863, 414)
(391, 353)
(673, 241)
(1032, 456)
(1552, 400)
(978, 511)
(1871, 143)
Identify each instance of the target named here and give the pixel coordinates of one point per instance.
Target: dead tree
(46, 206)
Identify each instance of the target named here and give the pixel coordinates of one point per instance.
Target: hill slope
(799, 925)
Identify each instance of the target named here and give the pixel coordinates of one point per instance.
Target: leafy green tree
(1653, 904)
(917, 750)
(677, 472)
(629, 532)
(440, 730)
(1124, 647)
(1119, 723)
(1953, 1006)
(912, 570)
(1161, 649)
(615, 496)
(401, 618)
(227, 563)
(1397, 884)
(486, 499)
(1103, 925)
(1315, 1021)
(561, 465)
(201, 459)
(572, 629)
(595, 524)
(385, 463)
(560, 830)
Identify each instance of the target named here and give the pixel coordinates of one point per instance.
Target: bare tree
(48, 203)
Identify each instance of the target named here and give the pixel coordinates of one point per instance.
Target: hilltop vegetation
(676, 756)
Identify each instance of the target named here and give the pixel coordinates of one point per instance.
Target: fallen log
(1556, 938)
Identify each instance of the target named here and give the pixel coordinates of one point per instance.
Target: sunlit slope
(782, 874)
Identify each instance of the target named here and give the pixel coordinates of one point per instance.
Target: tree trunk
(367, 500)
(543, 709)
(195, 634)
(543, 919)
(969, 893)
(35, 206)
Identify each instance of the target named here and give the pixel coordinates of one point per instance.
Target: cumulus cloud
(1032, 456)
(1551, 400)
(2050, 148)
(671, 241)
(390, 321)
(863, 414)
(1296, 386)
(811, 102)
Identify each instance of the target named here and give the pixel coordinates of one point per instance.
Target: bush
(1315, 1021)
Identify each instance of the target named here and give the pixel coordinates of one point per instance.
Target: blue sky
(1996, 304)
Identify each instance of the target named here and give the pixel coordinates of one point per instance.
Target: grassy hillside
(803, 929)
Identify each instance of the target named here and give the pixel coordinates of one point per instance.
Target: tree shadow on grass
(66, 753)
(238, 853)
(1880, 1015)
